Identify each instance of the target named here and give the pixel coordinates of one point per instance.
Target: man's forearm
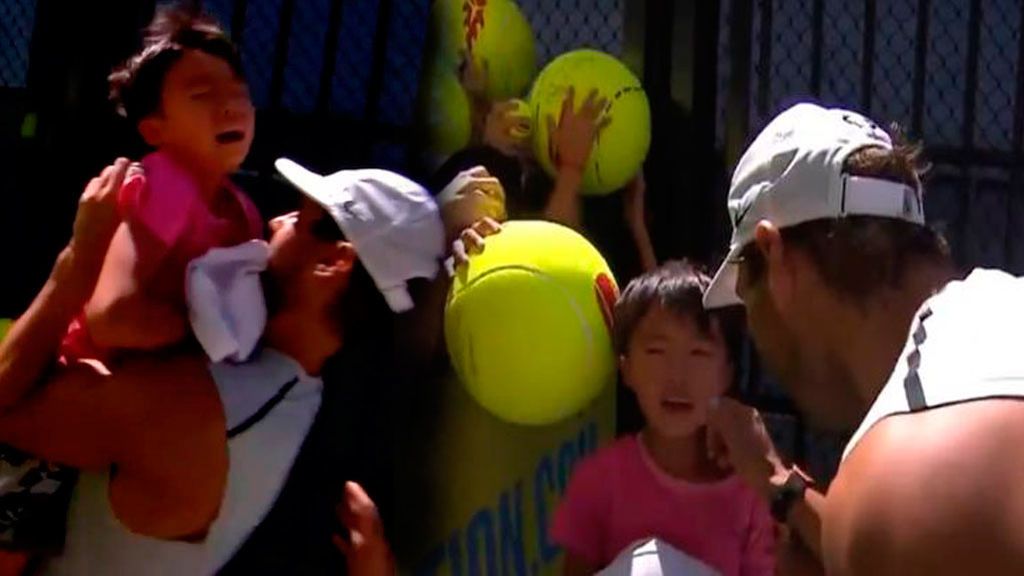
(794, 559)
(805, 519)
(31, 345)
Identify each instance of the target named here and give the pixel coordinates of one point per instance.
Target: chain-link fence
(352, 65)
(361, 59)
(564, 25)
(341, 56)
(945, 70)
(17, 18)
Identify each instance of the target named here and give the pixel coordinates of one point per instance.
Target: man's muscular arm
(938, 492)
(30, 347)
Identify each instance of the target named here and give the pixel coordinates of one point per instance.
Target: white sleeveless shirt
(966, 343)
(262, 448)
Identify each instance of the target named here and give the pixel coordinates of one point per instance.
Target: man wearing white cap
(854, 304)
(181, 458)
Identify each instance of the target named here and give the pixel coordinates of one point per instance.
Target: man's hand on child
(365, 547)
(97, 217)
(738, 440)
(572, 136)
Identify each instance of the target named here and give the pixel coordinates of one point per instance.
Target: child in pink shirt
(186, 95)
(660, 483)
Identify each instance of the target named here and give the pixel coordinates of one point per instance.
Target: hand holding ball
(623, 124)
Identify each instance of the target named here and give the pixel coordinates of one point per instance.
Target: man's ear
(152, 130)
(778, 272)
(338, 261)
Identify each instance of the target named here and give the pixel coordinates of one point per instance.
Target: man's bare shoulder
(936, 492)
(169, 389)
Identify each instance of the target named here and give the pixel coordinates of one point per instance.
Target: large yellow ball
(443, 113)
(622, 146)
(494, 31)
(527, 323)
(5, 325)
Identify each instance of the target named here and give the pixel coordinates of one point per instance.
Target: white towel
(225, 300)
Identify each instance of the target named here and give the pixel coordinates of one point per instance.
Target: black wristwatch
(789, 493)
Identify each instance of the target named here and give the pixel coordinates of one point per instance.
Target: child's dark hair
(679, 287)
(136, 87)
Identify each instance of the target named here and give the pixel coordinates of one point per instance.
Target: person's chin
(676, 428)
(233, 163)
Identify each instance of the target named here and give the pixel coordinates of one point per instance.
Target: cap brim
(308, 182)
(398, 299)
(722, 291)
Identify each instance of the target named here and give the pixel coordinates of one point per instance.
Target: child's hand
(470, 197)
(98, 218)
(471, 241)
(366, 550)
(572, 137)
(506, 130)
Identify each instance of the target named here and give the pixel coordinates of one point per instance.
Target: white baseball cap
(392, 222)
(793, 173)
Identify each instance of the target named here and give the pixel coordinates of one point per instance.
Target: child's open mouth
(677, 404)
(230, 137)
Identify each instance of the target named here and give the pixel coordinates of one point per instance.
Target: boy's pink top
(619, 496)
(172, 225)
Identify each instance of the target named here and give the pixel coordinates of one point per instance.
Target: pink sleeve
(150, 239)
(580, 520)
(158, 201)
(759, 550)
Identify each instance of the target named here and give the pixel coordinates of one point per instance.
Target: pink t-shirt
(619, 496)
(162, 204)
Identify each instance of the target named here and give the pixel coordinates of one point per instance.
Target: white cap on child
(793, 173)
(393, 223)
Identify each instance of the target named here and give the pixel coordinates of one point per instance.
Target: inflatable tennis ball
(5, 325)
(527, 323)
(491, 31)
(443, 112)
(622, 146)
